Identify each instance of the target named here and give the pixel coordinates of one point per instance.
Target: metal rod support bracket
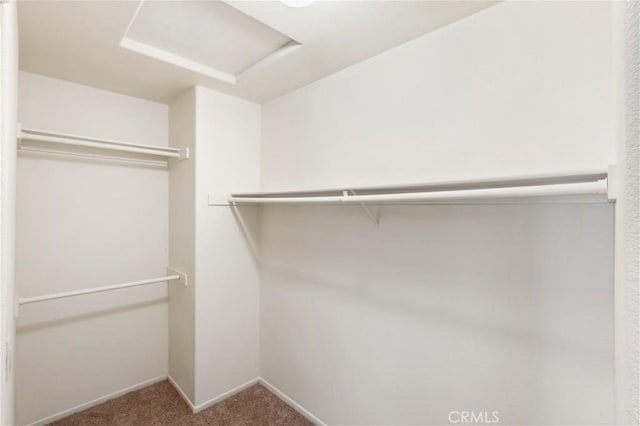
(216, 199)
(182, 277)
(374, 216)
(612, 182)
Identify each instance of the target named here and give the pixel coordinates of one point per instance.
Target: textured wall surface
(631, 218)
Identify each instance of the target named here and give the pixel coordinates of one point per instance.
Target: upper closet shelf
(94, 147)
(589, 186)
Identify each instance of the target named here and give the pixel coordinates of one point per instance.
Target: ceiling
(257, 50)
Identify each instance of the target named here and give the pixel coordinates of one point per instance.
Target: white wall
(228, 282)
(441, 308)
(182, 231)
(8, 118)
(83, 223)
(520, 87)
(214, 323)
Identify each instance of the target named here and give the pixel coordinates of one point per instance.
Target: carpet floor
(160, 404)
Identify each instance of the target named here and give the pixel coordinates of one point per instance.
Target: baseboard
(299, 408)
(212, 401)
(98, 401)
(182, 394)
(293, 404)
(224, 395)
(195, 408)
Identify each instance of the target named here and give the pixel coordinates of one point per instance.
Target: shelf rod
(109, 158)
(533, 191)
(73, 140)
(54, 296)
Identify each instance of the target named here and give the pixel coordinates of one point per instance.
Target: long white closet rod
(517, 192)
(27, 300)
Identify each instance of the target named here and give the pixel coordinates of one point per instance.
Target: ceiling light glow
(297, 3)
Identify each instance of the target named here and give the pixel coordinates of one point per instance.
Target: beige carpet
(160, 404)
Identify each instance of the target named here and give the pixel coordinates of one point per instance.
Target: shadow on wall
(65, 320)
(470, 265)
(467, 321)
(506, 306)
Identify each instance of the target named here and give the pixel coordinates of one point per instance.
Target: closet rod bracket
(216, 199)
(612, 182)
(184, 154)
(182, 277)
(374, 216)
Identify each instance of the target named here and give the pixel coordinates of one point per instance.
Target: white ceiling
(157, 49)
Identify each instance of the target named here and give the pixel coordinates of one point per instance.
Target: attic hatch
(208, 37)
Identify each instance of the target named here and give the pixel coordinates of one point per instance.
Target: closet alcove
(428, 219)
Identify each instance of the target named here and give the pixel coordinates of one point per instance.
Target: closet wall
(84, 223)
(8, 119)
(227, 273)
(447, 308)
(214, 323)
(182, 235)
(521, 87)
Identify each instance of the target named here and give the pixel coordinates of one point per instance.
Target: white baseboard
(181, 392)
(299, 408)
(225, 395)
(195, 408)
(98, 401)
(212, 401)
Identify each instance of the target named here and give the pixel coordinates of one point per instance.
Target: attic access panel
(208, 37)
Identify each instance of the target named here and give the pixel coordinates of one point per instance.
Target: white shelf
(47, 138)
(588, 186)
